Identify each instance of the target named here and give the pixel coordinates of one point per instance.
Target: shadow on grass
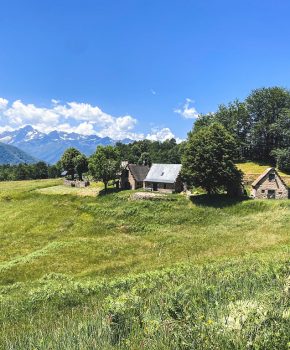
(217, 200)
(109, 191)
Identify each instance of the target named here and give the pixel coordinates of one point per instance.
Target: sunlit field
(95, 271)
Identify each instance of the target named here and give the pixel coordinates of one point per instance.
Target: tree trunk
(106, 186)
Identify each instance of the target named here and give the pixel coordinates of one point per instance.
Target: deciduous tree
(208, 160)
(105, 164)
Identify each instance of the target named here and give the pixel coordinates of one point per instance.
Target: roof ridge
(260, 177)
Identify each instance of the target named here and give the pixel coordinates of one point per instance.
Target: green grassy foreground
(107, 272)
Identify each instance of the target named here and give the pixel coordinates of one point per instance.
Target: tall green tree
(145, 159)
(40, 170)
(81, 165)
(105, 164)
(236, 120)
(68, 161)
(269, 112)
(208, 160)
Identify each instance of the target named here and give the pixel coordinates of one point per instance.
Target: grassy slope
(255, 168)
(87, 239)
(112, 235)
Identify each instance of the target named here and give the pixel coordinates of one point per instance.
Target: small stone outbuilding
(164, 178)
(270, 185)
(132, 176)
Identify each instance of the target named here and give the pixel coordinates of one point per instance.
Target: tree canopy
(146, 151)
(260, 124)
(81, 165)
(105, 164)
(208, 160)
(74, 162)
(39, 170)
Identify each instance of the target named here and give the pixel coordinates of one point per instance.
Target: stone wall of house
(264, 190)
(132, 182)
(128, 181)
(161, 187)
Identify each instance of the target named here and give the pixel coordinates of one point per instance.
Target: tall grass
(239, 304)
(112, 273)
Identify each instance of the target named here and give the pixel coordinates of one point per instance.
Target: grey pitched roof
(139, 172)
(265, 173)
(166, 173)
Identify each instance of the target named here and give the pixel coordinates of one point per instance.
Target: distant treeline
(147, 152)
(138, 152)
(39, 170)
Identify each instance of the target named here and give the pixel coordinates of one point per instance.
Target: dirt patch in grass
(90, 191)
(148, 196)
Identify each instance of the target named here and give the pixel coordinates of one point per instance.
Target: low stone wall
(76, 183)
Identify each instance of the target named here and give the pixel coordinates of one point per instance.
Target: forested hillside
(260, 125)
(13, 155)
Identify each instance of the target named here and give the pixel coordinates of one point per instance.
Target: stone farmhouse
(270, 185)
(132, 176)
(164, 178)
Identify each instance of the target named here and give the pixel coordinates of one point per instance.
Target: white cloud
(20, 114)
(81, 118)
(153, 92)
(84, 111)
(3, 103)
(162, 135)
(122, 128)
(5, 128)
(187, 111)
(84, 128)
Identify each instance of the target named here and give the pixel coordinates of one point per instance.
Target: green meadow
(83, 270)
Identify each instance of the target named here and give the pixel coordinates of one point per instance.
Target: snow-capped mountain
(50, 147)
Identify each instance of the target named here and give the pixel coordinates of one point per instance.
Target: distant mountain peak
(27, 128)
(50, 147)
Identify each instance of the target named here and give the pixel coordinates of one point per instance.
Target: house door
(271, 194)
(155, 187)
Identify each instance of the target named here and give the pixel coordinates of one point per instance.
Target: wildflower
(240, 311)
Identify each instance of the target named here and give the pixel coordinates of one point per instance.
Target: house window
(164, 186)
(271, 177)
(263, 191)
(162, 173)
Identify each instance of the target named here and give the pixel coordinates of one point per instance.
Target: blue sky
(126, 68)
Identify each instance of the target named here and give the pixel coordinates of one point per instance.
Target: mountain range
(13, 155)
(50, 147)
